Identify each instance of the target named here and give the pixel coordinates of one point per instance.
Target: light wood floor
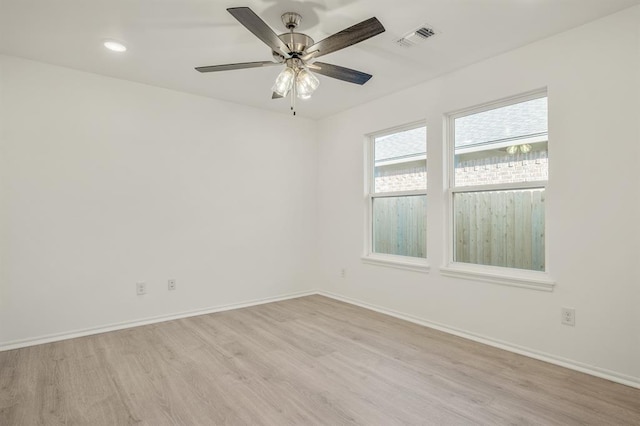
(311, 360)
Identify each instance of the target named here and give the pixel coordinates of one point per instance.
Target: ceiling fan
(298, 53)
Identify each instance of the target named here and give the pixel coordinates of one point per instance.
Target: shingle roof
(509, 122)
(403, 144)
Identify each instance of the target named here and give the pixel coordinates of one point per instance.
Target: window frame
(417, 264)
(536, 280)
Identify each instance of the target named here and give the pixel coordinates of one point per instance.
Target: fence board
(400, 226)
(500, 228)
(538, 231)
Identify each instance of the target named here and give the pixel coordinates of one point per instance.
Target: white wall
(593, 207)
(106, 182)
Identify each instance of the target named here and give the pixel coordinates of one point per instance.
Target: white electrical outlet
(141, 288)
(343, 273)
(171, 284)
(569, 316)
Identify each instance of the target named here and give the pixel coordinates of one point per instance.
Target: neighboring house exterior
(483, 146)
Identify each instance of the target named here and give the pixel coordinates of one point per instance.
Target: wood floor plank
(311, 360)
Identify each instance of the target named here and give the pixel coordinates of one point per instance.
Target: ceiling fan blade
(341, 73)
(310, 56)
(228, 67)
(259, 28)
(274, 95)
(347, 37)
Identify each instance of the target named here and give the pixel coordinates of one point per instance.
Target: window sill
(532, 280)
(399, 262)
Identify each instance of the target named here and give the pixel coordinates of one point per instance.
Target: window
(497, 183)
(397, 197)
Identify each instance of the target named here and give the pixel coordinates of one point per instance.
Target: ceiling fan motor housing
(296, 42)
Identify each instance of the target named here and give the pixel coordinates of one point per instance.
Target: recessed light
(115, 46)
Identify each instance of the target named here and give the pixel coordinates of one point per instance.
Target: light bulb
(284, 82)
(513, 149)
(306, 84)
(525, 148)
(115, 46)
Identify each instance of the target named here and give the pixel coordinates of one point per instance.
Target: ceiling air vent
(425, 32)
(416, 36)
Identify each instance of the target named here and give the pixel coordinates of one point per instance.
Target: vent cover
(425, 32)
(417, 36)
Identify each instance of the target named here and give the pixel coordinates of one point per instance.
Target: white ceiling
(167, 38)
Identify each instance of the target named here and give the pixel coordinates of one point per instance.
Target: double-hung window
(498, 175)
(397, 197)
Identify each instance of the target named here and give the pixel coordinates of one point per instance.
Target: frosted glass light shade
(306, 84)
(284, 82)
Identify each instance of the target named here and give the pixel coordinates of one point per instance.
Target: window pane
(502, 145)
(399, 225)
(400, 161)
(513, 121)
(500, 228)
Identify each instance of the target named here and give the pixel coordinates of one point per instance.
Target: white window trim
(369, 256)
(505, 143)
(501, 186)
(535, 280)
(399, 262)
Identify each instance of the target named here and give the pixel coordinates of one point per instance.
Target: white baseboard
(531, 353)
(16, 344)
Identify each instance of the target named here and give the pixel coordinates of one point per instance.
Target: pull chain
(293, 96)
(293, 89)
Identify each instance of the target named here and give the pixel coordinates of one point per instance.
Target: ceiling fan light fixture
(306, 84)
(297, 51)
(284, 82)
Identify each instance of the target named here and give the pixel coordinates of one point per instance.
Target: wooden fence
(500, 228)
(400, 225)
